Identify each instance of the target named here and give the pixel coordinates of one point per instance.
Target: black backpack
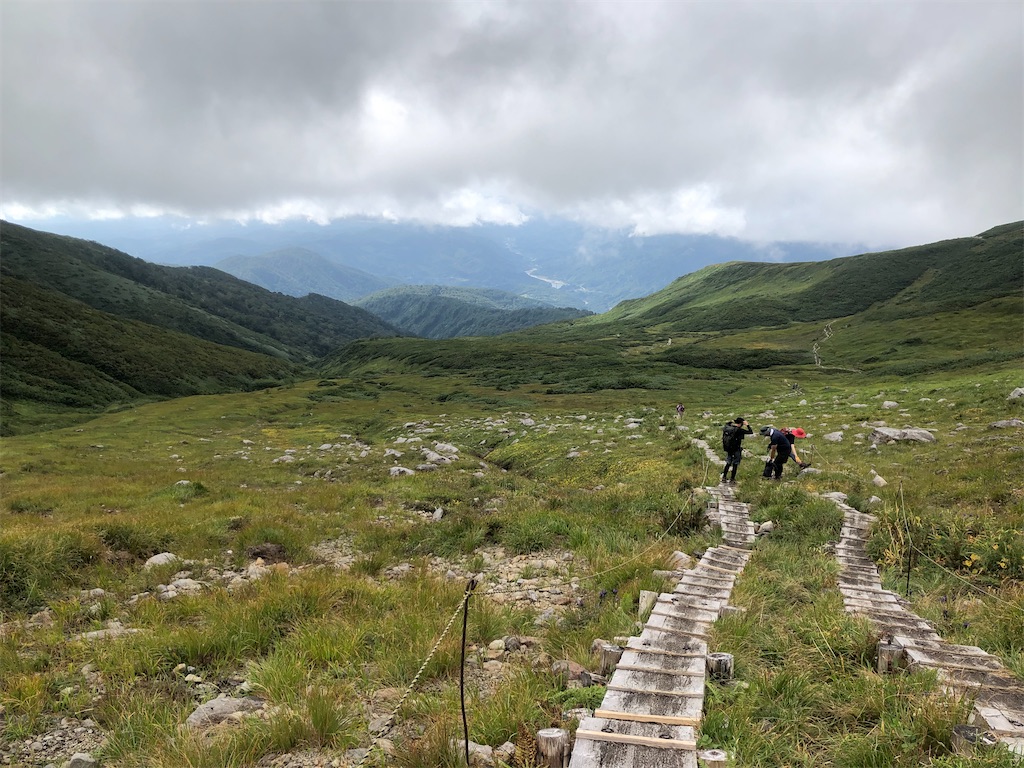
(732, 438)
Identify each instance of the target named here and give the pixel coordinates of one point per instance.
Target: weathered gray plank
(591, 752)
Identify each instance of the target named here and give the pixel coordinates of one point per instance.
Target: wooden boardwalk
(653, 704)
(965, 670)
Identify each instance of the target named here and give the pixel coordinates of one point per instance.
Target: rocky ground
(542, 582)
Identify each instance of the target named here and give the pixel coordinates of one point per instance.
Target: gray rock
(219, 709)
(82, 760)
(162, 559)
(833, 437)
(890, 435)
(1016, 394)
(835, 496)
(1007, 424)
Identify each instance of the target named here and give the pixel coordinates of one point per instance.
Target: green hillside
(950, 305)
(85, 327)
(291, 270)
(910, 282)
(199, 301)
(441, 312)
(59, 353)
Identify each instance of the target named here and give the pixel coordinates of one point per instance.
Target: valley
(315, 535)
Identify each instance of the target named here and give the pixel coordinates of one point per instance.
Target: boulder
(1016, 394)
(881, 435)
(219, 709)
(162, 559)
(1006, 424)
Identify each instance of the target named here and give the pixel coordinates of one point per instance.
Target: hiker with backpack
(732, 443)
(780, 449)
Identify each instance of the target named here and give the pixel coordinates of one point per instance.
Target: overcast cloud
(892, 123)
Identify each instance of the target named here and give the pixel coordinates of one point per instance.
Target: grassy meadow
(603, 482)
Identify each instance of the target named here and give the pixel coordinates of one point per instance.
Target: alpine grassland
(325, 536)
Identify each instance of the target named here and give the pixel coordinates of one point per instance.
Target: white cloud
(891, 123)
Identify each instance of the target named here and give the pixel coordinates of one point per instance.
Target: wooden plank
(655, 638)
(640, 717)
(708, 604)
(646, 741)
(655, 691)
(734, 549)
(716, 568)
(663, 652)
(659, 670)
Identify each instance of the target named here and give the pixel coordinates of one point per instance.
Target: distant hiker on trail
(679, 410)
(792, 433)
(779, 451)
(732, 443)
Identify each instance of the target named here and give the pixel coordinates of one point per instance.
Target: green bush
(141, 543)
(30, 568)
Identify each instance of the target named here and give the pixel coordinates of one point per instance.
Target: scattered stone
(219, 709)
(162, 559)
(113, 630)
(680, 561)
(890, 404)
(835, 496)
(480, 755)
(833, 437)
(891, 435)
(399, 471)
(1006, 424)
(1016, 394)
(879, 481)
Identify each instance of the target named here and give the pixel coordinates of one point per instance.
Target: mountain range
(85, 326)
(559, 262)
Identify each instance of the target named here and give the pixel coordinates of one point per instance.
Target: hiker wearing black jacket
(732, 443)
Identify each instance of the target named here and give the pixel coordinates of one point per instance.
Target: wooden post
(719, 667)
(553, 747)
(646, 603)
(610, 655)
(890, 657)
(713, 758)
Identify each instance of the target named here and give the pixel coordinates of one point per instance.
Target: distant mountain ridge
(293, 271)
(560, 262)
(441, 312)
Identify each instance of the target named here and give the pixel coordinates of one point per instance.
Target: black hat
(738, 419)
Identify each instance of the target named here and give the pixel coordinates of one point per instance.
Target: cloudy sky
(884, 122)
